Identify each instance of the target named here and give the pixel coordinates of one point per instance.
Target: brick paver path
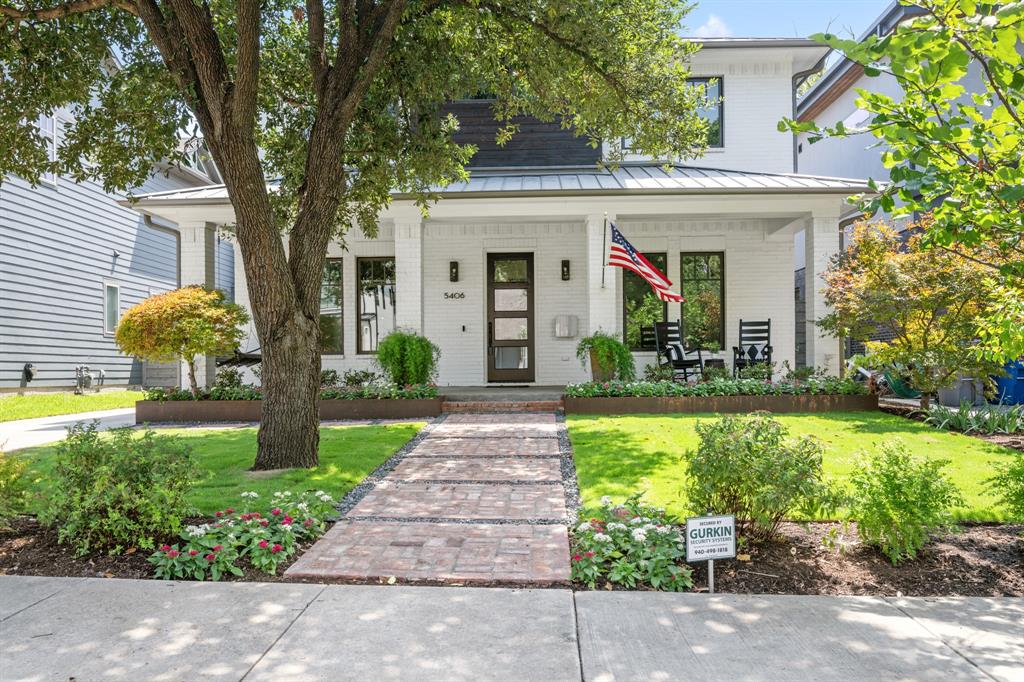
(480, 499)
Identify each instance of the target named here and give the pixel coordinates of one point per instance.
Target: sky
(781, 18)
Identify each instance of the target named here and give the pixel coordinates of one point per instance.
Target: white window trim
(45, 178)
(116, 285)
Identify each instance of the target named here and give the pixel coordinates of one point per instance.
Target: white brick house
(506, 272)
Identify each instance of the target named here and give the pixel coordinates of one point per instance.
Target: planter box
(189, 411)
(721, 404)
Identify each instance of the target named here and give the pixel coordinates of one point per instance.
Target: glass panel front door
(510, 327)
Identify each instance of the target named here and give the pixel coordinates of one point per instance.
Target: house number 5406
(454, 295)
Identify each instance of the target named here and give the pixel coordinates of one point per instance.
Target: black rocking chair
(668, 341)
(755, 346)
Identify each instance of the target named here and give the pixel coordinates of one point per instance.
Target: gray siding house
(72, 260)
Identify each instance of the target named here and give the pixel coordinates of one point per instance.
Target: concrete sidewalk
(95, 629)
(27, 433)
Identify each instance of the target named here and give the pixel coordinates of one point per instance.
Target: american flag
(623, 255)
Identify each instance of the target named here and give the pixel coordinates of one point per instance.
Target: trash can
(1010, 388)
(964, 390)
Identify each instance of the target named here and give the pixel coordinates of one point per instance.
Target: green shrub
(610, 355)
(988, 419)
(359, 377)
(407, 358)
(745, 466)
(228, 377)
(119, 492)
(328, 378)
(12, 487)
(656, 372)
(898, 500)
(713, 387)
(1008, 484)
(762, 371)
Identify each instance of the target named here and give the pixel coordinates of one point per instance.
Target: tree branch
(64, 9)
(315, 36)
(247, 68)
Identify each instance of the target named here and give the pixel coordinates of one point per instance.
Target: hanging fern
(610, 355)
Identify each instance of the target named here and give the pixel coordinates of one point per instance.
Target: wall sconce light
(453, 271)
(565, 271)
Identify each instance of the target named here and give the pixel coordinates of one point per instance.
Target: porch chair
(668, 341)
(755, 345)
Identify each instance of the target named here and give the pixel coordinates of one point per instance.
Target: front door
(510, 317)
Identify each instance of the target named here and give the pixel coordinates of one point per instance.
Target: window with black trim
(375, 301)
(714, 112)
(702, 284)
(641, 307)
(332, 336)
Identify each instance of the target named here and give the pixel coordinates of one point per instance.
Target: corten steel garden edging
(723, 404)
(190, 411)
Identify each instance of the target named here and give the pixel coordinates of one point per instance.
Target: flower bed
(244, 404)
(717, 395)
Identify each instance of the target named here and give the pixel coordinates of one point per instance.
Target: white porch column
(602, 300)
(409, 272)
(821, 242)
(198, 253)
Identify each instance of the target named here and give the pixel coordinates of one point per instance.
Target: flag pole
(604, 249)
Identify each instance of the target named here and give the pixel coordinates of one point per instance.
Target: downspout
(152, 224)
(799, 78)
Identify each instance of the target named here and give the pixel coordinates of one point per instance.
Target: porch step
(501, 406)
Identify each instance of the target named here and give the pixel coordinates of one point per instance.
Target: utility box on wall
(566, 326)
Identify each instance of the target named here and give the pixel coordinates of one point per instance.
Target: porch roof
(628, 178)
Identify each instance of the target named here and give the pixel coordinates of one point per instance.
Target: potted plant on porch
(609, 358)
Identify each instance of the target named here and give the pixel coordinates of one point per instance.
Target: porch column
(602, 300)
(409, 272)
(198, 253)
(821, 242)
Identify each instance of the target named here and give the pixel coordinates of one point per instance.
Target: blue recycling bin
(1010, 388)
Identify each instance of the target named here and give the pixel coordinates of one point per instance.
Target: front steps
(493, 406)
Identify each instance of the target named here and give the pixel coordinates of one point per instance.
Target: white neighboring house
(73, 259)
(507, 272)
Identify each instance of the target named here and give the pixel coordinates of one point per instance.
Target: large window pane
(376, 301)
(511, 270)
(331, 317)
(703, 287)
(641, 307)
(713, 112)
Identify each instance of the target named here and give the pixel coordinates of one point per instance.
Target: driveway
(97, 629)
(27, 433)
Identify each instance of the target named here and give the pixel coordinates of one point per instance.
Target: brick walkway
(480, 498)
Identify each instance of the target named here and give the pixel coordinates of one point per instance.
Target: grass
(35, 405)
(617, 456)
(347, 455)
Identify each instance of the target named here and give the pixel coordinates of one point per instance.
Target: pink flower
(276, 511)
(165, 548)
(193, 552)
(264, 544)
(589, 555)
(264, 523)
(287, 521)
(219, 514)
(229, 510)
(218, 548)
(210, 557)
(576, 557)
(276, 548)
(173, 554)
(254, 515)
(307, 523)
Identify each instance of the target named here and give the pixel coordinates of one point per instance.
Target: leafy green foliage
(609, 357)
(931, 300)
(746, 466)
(655, 372)
(368, 392)
(898, 500)
(407, 358)
(988, 419)
(1008, 484)
(329, 378)
(630, 544)
(714, 387)
(118, 493)
(181, 324)
(267, 537)
(12, 486)
(952, 150)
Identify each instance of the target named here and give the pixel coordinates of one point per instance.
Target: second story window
(714, 112)
(48, 129)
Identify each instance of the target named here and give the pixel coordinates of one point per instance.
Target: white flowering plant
(630, 544)
(266, 538)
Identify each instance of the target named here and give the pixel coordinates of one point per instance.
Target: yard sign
(709, 538)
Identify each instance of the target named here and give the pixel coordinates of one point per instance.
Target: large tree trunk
(289, 434)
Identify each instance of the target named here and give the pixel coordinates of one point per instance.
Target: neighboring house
(507, 272)
(832, 99)
(72, 260)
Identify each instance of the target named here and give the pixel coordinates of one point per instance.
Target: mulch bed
(28, 548)
(982, 560)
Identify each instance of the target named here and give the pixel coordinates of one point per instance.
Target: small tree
(180, 325)
(931, 300)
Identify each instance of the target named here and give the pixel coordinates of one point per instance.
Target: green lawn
(50, 404)
(617, 456)
(347, 455)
